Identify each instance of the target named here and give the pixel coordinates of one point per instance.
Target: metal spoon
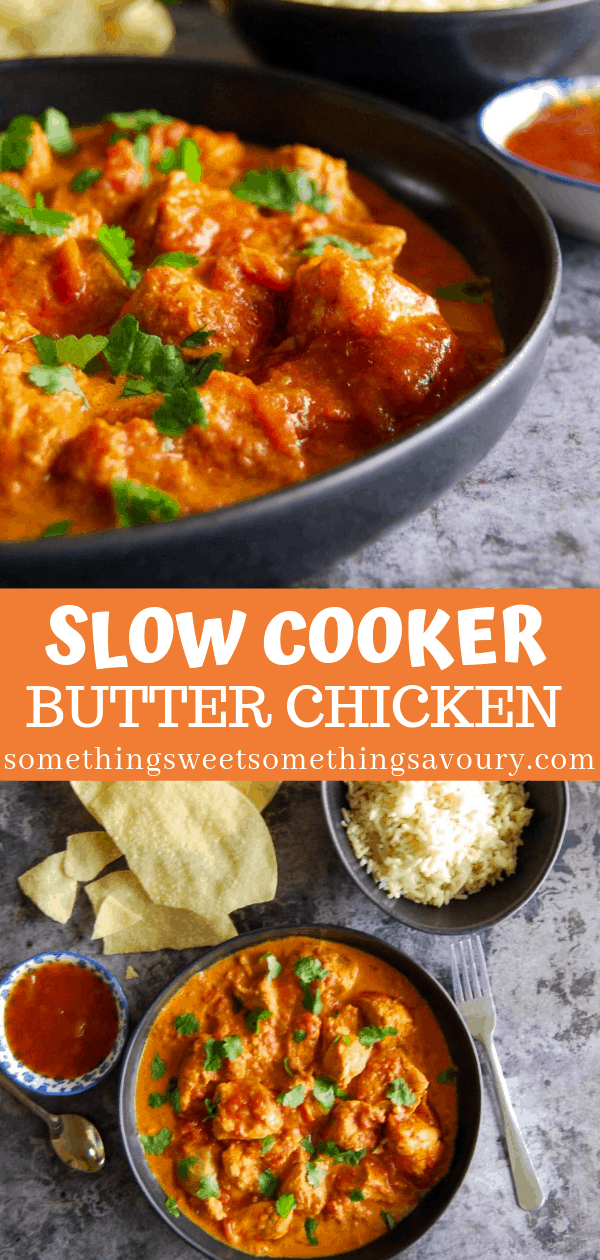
(75, 1140)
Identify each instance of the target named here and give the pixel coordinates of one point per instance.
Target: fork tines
(470, 977)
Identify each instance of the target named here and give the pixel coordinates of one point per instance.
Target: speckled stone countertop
(543, 970)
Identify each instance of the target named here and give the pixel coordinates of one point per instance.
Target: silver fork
(473, 996)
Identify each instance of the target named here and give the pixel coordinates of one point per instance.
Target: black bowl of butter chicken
(308, 1091)
(247, 320)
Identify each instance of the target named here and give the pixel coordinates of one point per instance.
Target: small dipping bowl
(48, 1086)
(573, 203)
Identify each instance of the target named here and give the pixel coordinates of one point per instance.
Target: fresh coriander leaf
(237, 1003)
(447, 1077)
(310, 1229)
(46, 350)
(293, 1098)
(346, 1040)
(309, 969)
(157, 1068)
(138, 120)
(57, 380)
(216, 1051)
(184, 158)
(268, 1183)
(388, 1219)
(197, 338)
(400, 1094)
(186, 1024)
(118, 248)
(15, 144)
(286, 1064)
(208, 1188)
(58, 132)
(141, 152)
(336, 1039)
(177, 259)
(299, 1035)
(79, 351)
(340, 1156)
(56, 530)
(184, 1166)
(355, 1196)
(211, 1108)
(372, 1033)
(285, 1204)
(134, 387)
(171, 1206)
(144, 355)
(201, 369)
(316, 247)
(465, 290)
(281, 190)
(157, 1100)
(309, 1146)
(312, 1001)
(324, 1092)
(141, 505)
(252, 1018)
(315, 1174)
(339, 1092)
(175, 1100)
(156, 1143)
(232, 1047)
(17, 216)
(95, 365)
(266, 1144)
(178, 412)
(85, 179)
(274, 968)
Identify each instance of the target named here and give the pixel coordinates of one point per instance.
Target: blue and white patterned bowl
(46, 1085)
(573, 203)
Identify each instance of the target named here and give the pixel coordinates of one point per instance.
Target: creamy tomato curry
(187, 321)
(296, 1098)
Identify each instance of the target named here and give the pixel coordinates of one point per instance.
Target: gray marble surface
(543, 965)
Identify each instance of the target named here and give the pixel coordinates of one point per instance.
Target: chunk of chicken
(355, 1126)
(415, 1143)
(195, 1083)
(205, 1164)
(301, 1054)
(181, 214)
(249, 1227)
(310, 1198)
(242, 1162)
(345, 1058)
(120, 186)
(370, 1176)
(329, 174)
(33, 425)
(384, 1068)
(247, 1110)
(386, 1012)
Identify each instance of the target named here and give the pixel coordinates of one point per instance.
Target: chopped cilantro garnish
(308, 1145)
(323, 1090)
(186, 1024)
(340, 1156)
(15, 143)
(299, 1035)
(252, 1018)
(215, 1051)
(17, 216)
(141, 505)
(141, 152)
(157, 1100)
(293, 1098)
(156, 1143)
(465, 291)
(447, 1077)
(315, 1174)
(309, 969)
(286, 1064)
(310, 1229)
(281, 190)
(312, 1001)
(208, 1188)
(285, 1204)
(274, 968)
(211, 1108)
(138, 120)
(77, 351)
(157, 1068)
(180, 409)
(144, 354)
(355, 1196)
(177, 259)
(266, 1144)
(268, 1183)
(201, 369)
(85, 179)
(57, 529)
(56, 380)
(346, 1039)
(171, 1206)
(197, 338)
(400, 1094)
(315, 247)
(118, 248)
(184, 158)
(372, 1033)
(184, 1166)
(174, 1098)
(133, 388)
(237, 1003)
(58, 132)
(388, 1219)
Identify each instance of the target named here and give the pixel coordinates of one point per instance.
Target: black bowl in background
(462, 1054)
(443, 63)
(536, 857)
(464, 193)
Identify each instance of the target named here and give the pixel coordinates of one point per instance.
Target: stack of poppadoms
(194, 853)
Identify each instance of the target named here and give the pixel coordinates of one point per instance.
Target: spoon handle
(53, 1122)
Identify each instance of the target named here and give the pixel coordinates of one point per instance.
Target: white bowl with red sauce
(573, 202)
(63, 1023)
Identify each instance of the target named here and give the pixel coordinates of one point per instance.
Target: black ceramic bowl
(461, 191)
(462, 1054)
(444, 63)
(542, 840)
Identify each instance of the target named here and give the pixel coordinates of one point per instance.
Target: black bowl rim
(201, 526)
(414, 972)
(449, 16)
(393, 906)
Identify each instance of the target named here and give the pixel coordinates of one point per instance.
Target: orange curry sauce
(227, 1128)
(325, 357)
(564, 137)
(61, 1020)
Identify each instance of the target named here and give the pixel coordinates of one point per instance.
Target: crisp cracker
(50, 888)
(88, 852)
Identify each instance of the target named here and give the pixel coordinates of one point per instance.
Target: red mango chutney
(61, 1020)
(564, 137)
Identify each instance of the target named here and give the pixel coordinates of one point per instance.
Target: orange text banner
(287, 684)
